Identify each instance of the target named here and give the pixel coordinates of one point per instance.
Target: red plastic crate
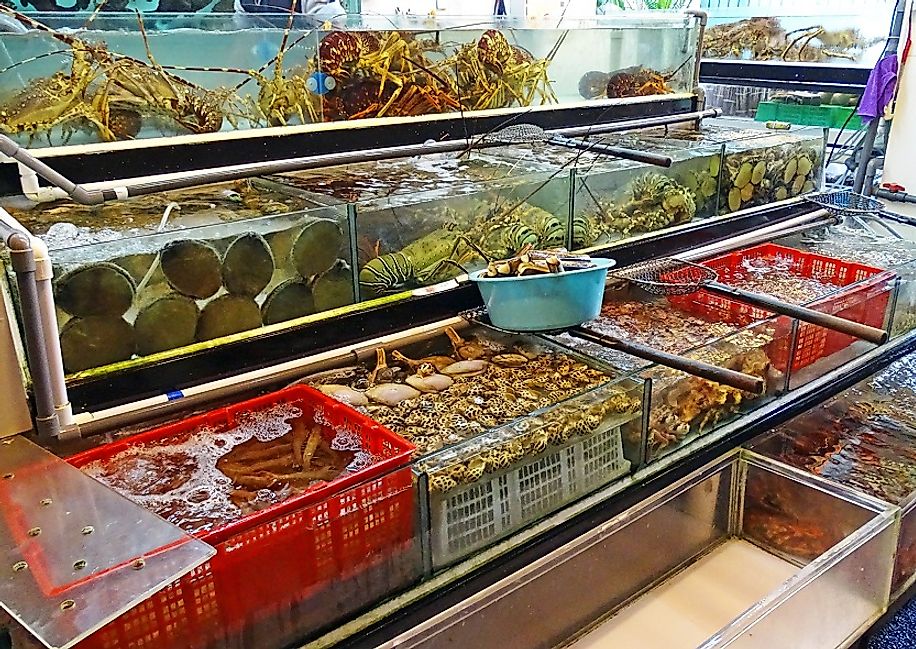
(866, 299)
(281, 555)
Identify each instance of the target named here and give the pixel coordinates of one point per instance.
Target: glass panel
(424, 221)
(843, 32)
(758, 171)
(266, 72)
(76, 553)
(127, 300)
(863, 439)
(683, 406)
(701, 582)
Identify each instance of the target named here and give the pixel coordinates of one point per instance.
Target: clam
(744, 175)
(734, 199)
(344, 394)
(805, 165)
(781, 193)
(391, 394)
(510, 360)
(747, 193)
(430, 382)
(790, 170)
(758, 172)
(466, 368)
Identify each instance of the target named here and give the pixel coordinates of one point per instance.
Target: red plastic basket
(863, 294)
(272, 559)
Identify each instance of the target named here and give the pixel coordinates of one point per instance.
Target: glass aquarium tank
(761, 170)
(422, 221)
(621, 200)
(191, 268)
(837, 32)
(863, 439)
(75, 78)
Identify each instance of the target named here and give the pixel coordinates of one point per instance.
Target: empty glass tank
(761, 170)
(741, 553)
(112, 80)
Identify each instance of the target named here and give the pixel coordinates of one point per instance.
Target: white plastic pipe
(43, 276)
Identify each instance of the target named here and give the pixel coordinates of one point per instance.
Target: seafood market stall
(255, 399)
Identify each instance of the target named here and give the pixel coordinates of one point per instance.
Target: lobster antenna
(34, 58)
(260, 69)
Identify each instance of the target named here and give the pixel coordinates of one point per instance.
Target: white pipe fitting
(44, 273)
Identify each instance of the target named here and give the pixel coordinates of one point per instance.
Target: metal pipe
(22, 259)
(897, 197)
(85, 196)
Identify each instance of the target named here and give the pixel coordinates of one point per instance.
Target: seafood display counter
(170, 274)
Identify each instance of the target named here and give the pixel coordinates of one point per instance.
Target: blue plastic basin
(544, 302)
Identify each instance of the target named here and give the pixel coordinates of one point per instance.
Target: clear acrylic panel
(76, 553)
(763, 170)
(588, 592)
(132, 297)
(270, 71)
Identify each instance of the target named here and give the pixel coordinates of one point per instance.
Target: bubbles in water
(177, 477)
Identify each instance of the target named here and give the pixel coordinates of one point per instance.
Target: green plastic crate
(828, 116)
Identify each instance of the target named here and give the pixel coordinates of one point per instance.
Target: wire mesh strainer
(847, 203)
(853, 205)
(668, 276)
(671, 276)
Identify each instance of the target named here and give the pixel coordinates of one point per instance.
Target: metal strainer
(670, 276)
(854, 205)
(531, 133)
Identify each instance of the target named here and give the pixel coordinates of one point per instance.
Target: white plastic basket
(474, 516)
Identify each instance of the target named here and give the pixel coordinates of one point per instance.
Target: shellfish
(391, 394)
(429, 383)
(466, 368)
(344, 394)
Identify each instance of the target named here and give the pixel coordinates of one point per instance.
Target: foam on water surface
(178, 478)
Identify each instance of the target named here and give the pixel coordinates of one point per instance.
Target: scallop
(781, 193)
(465, 368)
(808, 187)
(431, 383)
(744, 175)
(747, 193)
(790, 170)
(510, 360)
(797, 185)
(734, 199)
(757, 175)
(714, 166)
(344, 394)
(805, 165)
(391, 394)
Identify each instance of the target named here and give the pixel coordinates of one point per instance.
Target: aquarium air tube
(22, 259)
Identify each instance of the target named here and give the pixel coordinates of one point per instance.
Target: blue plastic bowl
(544, 302)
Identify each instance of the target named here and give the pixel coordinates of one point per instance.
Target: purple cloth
(879, 92)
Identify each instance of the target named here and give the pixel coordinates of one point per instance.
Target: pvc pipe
(86, 196)
(44, 273)
(22, 260)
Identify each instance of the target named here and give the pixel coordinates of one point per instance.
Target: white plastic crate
(474, 516)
